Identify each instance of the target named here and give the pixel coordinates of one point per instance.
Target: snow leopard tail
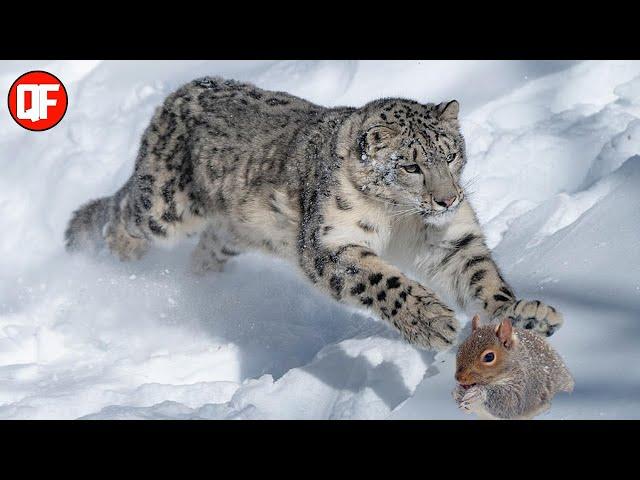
(85, 231)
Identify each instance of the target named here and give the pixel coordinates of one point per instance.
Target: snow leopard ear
(449, 110)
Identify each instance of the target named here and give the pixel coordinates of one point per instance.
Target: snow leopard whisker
(406, 213)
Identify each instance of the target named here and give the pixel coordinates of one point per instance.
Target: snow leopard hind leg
(214, 249)
(160, 203)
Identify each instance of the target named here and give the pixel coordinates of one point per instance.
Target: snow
(554, 171)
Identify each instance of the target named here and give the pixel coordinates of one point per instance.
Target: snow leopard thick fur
(355, 197)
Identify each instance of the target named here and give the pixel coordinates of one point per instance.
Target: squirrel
(507, 373)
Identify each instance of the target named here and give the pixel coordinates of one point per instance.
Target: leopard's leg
(213, 251)
(151, 208)
(161, 202)
(469, 270)
(354, 274)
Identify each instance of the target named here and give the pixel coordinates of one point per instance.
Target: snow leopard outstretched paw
(535, 316)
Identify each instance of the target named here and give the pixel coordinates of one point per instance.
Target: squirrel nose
(447, 201)
(463, 377)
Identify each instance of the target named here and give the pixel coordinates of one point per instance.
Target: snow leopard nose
(446, 202)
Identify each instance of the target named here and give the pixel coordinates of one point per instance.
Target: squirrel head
(483, 358)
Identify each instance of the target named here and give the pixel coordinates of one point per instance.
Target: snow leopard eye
(488, 357)
(451, 157)
(411, 168)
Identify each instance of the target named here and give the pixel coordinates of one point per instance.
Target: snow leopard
(366, 202)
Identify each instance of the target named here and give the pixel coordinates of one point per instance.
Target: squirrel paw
(458, 393)
(472, 399)
(535, 316)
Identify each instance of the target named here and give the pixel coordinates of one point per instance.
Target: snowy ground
(554, 155)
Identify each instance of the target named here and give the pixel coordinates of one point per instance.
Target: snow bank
(554, 173)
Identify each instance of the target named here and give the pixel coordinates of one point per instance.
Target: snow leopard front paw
(426, 322)
(535, 316)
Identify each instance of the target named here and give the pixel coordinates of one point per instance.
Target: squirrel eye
(489, 357)
(411, 168)
(451, 157)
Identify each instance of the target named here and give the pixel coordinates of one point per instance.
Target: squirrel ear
(504, 332)
(475, 322)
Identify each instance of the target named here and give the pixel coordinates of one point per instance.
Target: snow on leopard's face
(412, 156)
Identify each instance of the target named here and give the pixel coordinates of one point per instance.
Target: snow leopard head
(407, 154)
